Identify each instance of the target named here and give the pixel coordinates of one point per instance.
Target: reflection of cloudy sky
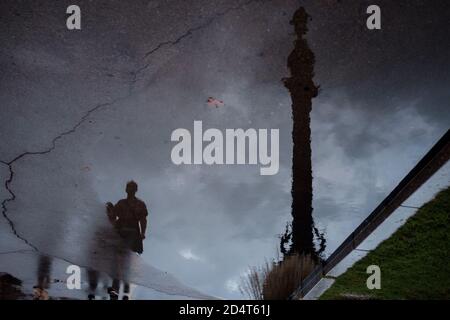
(380, 108)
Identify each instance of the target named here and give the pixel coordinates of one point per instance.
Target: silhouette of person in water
(129, 217)
(44, 279)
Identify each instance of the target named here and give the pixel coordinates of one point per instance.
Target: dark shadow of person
(129, 218)
(43, 277)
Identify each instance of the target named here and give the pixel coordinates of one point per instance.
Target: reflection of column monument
(302, 89)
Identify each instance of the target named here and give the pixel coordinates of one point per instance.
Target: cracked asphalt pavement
(59, 82)
(84, 111)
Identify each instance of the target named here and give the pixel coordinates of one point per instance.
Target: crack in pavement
(188, 33)
(98, 107)
(16, 251)
(5, 209)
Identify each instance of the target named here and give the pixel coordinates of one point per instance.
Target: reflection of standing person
(93, 283)
(129, 216)
(44, 269)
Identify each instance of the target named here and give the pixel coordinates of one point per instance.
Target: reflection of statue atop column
(129, 217)
(302, 89)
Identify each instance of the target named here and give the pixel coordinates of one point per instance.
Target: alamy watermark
(74, 279)
(374, 280)
(235, 146)
(73, 22)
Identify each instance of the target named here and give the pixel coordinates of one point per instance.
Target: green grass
(414, 261)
